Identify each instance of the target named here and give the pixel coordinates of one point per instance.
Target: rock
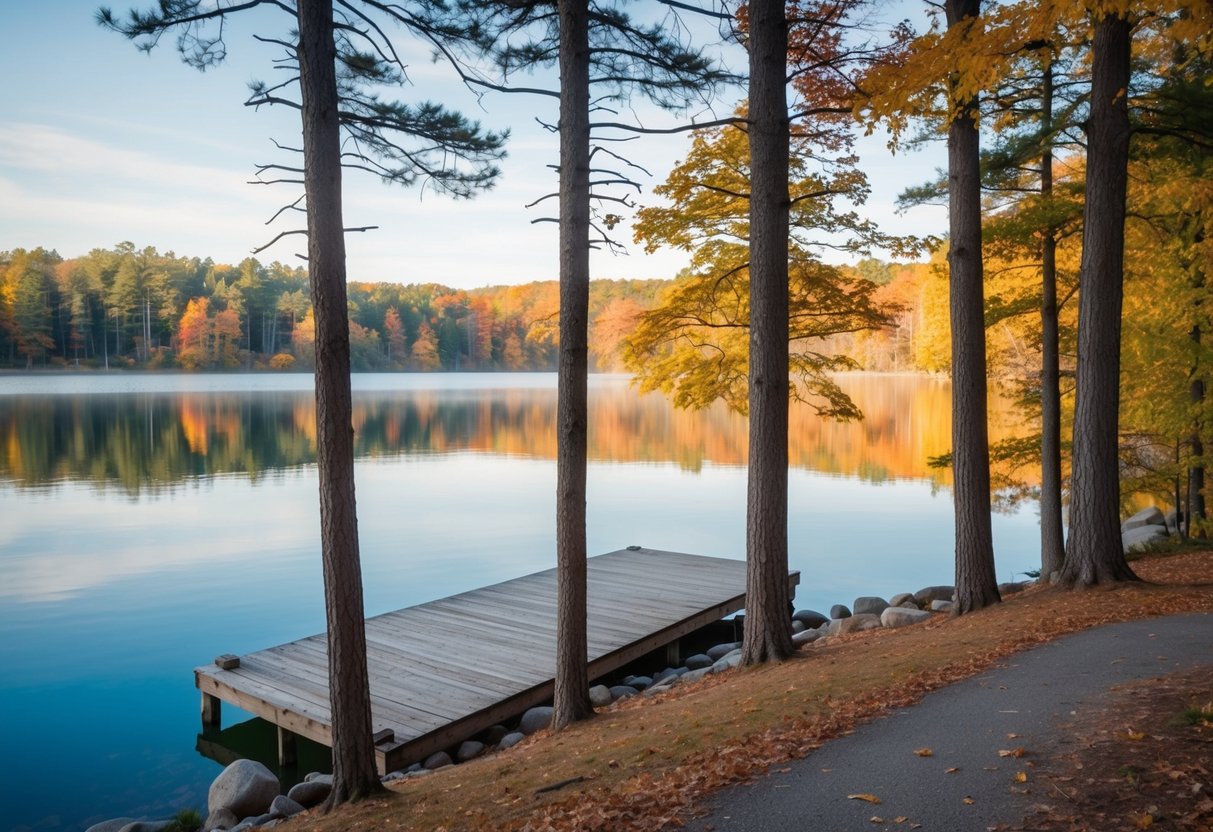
(926, 595)
(437, 760)
(222, 819)
(146, 826)
(1011, 588)
(413, 768)
(721, 650)
(1140, 537)
(469, 750)
(317, 777)
(696, 675)
(669, 672)
(1172, 522)
(858, 622)
(727, 662)
(310, 793)
(1151, 516)
(493, 735)
(941, 606)
(600, 696)
(807, 637)
(536, 719)
(641, 682)
(421, 772)
(810, 618)
(798, 627)
(249, 823)
(901, 617)
(622, 692)
(870, 605)
(110, 825)
(510, 740)
(284, 807)
(393, 776)
(839, 611)
(699, 661)
(901, 598)
(246, 787)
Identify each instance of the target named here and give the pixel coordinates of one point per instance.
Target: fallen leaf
(1021, 777)
(1135, 736)
(924, 752)
(1012, 736)
(1143, 821)
(870, 798)
(952, 770)
(900, 819)
(968, 801)
(876, 819)
(1012, 752)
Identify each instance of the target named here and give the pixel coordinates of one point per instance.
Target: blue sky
(102, 143)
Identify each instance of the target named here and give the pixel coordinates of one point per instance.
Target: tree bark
(1052, 539)
(1195, 519)
(767, 630)
(1094, 554)
(976, 584)
(354, 772)
(572, 697)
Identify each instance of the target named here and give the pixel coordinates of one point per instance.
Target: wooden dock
(442, 671)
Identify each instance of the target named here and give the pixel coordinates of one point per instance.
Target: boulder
(284, 807)
(798, 627)
(221, 819)
(469, 750)
(869, 605)
(536, 719)
(1151, 516)
(903, 599)
(246, 787)
(437, 760)
(110, 825)
(807, 637)
(1011, 588)
(901, 617)
(510, 740)
(926, 595)
(857, 623)
(250, 823)
(669, 672)
(600, 696)
(941, 606)
(493, 735)
(696, 675)
(839, 611)
(698, 661)
(146, 826)
(310, 793)
(413, 768)
(319, 777)
(641, 682)
(1140, 537)
(810, 618)
(622, 692)
(727, 662)
(1172, 519)
(721, 650)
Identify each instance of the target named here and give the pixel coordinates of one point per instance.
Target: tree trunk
(354, 773)
(976, 584)
(1052, 540)
(572, 697)
(1196, 471)
(1094, 554)
(767, 631)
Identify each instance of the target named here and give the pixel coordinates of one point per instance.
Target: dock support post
(211, 710)
(286, 748)
(673, 653)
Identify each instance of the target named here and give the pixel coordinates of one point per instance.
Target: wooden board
(447, 669)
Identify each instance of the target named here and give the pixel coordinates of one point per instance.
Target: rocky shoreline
(247, 795)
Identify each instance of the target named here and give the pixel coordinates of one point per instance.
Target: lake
(152, 522)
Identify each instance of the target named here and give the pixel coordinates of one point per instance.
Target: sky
(101, 143)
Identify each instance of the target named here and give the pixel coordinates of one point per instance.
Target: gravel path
(965, 725)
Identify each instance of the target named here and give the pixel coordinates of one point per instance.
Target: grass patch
(1202, 715)
(645, 762)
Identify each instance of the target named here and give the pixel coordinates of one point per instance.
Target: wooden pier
(442, 671)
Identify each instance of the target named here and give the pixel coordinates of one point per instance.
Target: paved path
(965, 725)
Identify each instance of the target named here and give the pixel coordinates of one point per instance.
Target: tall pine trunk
(1094, 554)
(976, 584)
(354, 772)
(1196, 471)
(572, 698)
(1052, 539)
(767, 630)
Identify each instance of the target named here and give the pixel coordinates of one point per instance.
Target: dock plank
(445, 669)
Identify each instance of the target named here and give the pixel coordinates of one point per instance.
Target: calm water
(152, 522)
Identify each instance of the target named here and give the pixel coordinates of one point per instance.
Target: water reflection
(152, 441)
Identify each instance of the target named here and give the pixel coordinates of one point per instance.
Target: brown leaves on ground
(1115, 782)
(673, 750)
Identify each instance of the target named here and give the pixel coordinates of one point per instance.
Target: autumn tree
(393, 330)
(331, 80)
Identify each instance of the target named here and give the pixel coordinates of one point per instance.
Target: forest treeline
(127, 307)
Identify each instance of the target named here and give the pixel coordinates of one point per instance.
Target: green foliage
(187, 820)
